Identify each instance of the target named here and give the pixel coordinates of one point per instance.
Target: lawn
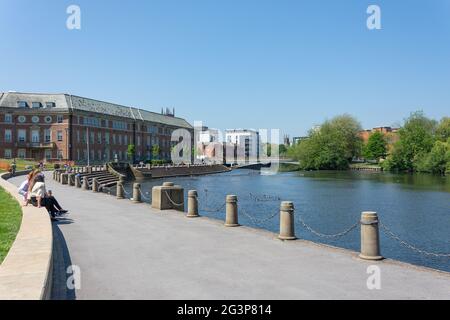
(10, 219)
(20, 164)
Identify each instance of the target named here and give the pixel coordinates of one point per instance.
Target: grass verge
(10, 219)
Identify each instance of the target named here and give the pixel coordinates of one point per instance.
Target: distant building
(390, 133)
(72, 128)
(209, 145)
(247, 142)
(297, 140)
(286, 140)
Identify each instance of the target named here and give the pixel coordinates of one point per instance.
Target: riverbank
(10, 219)
(148, 254)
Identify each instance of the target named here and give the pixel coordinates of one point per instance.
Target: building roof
(70, 102)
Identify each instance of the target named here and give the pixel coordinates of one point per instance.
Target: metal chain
(329, 236)
(144, 197)
(256, 220)
(405, 244)
(173, 202)
(208, 210)
(214, 210)
(126, 192)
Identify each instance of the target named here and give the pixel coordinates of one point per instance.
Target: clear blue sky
(236, 63)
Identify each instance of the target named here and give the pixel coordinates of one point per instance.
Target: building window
(50, 104)
(22, 104)
(8, 118)
(60, 135)
(36, 105)
(60, 154)
(22, 119)
(35, 136)
(99, 138)
(78, 137)
(35, 119)
(48, 154)
(48, 119)
(59, 119)
(91, 137)
(48, 135)
(22, 135)
(138, 140)
(107, 137)
(21, 153)
(114, 138)
(8, 154)
(8, 135)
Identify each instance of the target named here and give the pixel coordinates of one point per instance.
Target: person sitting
(39, 197)
(53, 202)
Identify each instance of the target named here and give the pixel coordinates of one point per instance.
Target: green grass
(289, 167)
(364, 165)
(10, 219)
(20, 163)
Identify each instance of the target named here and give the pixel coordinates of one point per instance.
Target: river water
(415, 207)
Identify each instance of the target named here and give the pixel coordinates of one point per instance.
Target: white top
(38, 190)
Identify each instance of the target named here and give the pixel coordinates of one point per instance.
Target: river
(415, 207)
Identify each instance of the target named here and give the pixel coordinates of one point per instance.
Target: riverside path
(130, 251)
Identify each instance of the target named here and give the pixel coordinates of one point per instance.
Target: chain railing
(328, 236)
(125, 191)
(210, 210)
(144, 196)
(172, 201)
(405, 244)
(258, 220)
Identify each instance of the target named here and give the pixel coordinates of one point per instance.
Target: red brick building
(66, 127)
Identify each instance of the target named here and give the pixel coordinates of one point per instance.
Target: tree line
(420, 145)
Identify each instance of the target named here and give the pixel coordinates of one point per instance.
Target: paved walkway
(129, 251)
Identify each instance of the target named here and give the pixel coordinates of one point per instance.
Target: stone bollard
(136, 193)
(54, 175)
(58, 176)
(71, 179)
(287, 230)
(77, 181)
(192, 204)
(231, 219)
(168, 196)
(370, 237)
(89, 169)
(64, 178)
(94, 185)
(119, 190)
(85, 183)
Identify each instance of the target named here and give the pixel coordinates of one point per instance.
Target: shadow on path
(61, 261)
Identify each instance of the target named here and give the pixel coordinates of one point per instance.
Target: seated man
(54, 203)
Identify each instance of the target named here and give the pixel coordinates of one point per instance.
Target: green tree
(443, 129)
(155, 151)
(283, 149)
(333, 146)
(416, 139)
(376, 146)
(131, 151)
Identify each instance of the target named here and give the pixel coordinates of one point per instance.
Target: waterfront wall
(190, 170)
(26, 272)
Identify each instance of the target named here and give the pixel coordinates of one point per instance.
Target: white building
(247, 141)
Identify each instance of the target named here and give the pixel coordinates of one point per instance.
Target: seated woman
(39, 197)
